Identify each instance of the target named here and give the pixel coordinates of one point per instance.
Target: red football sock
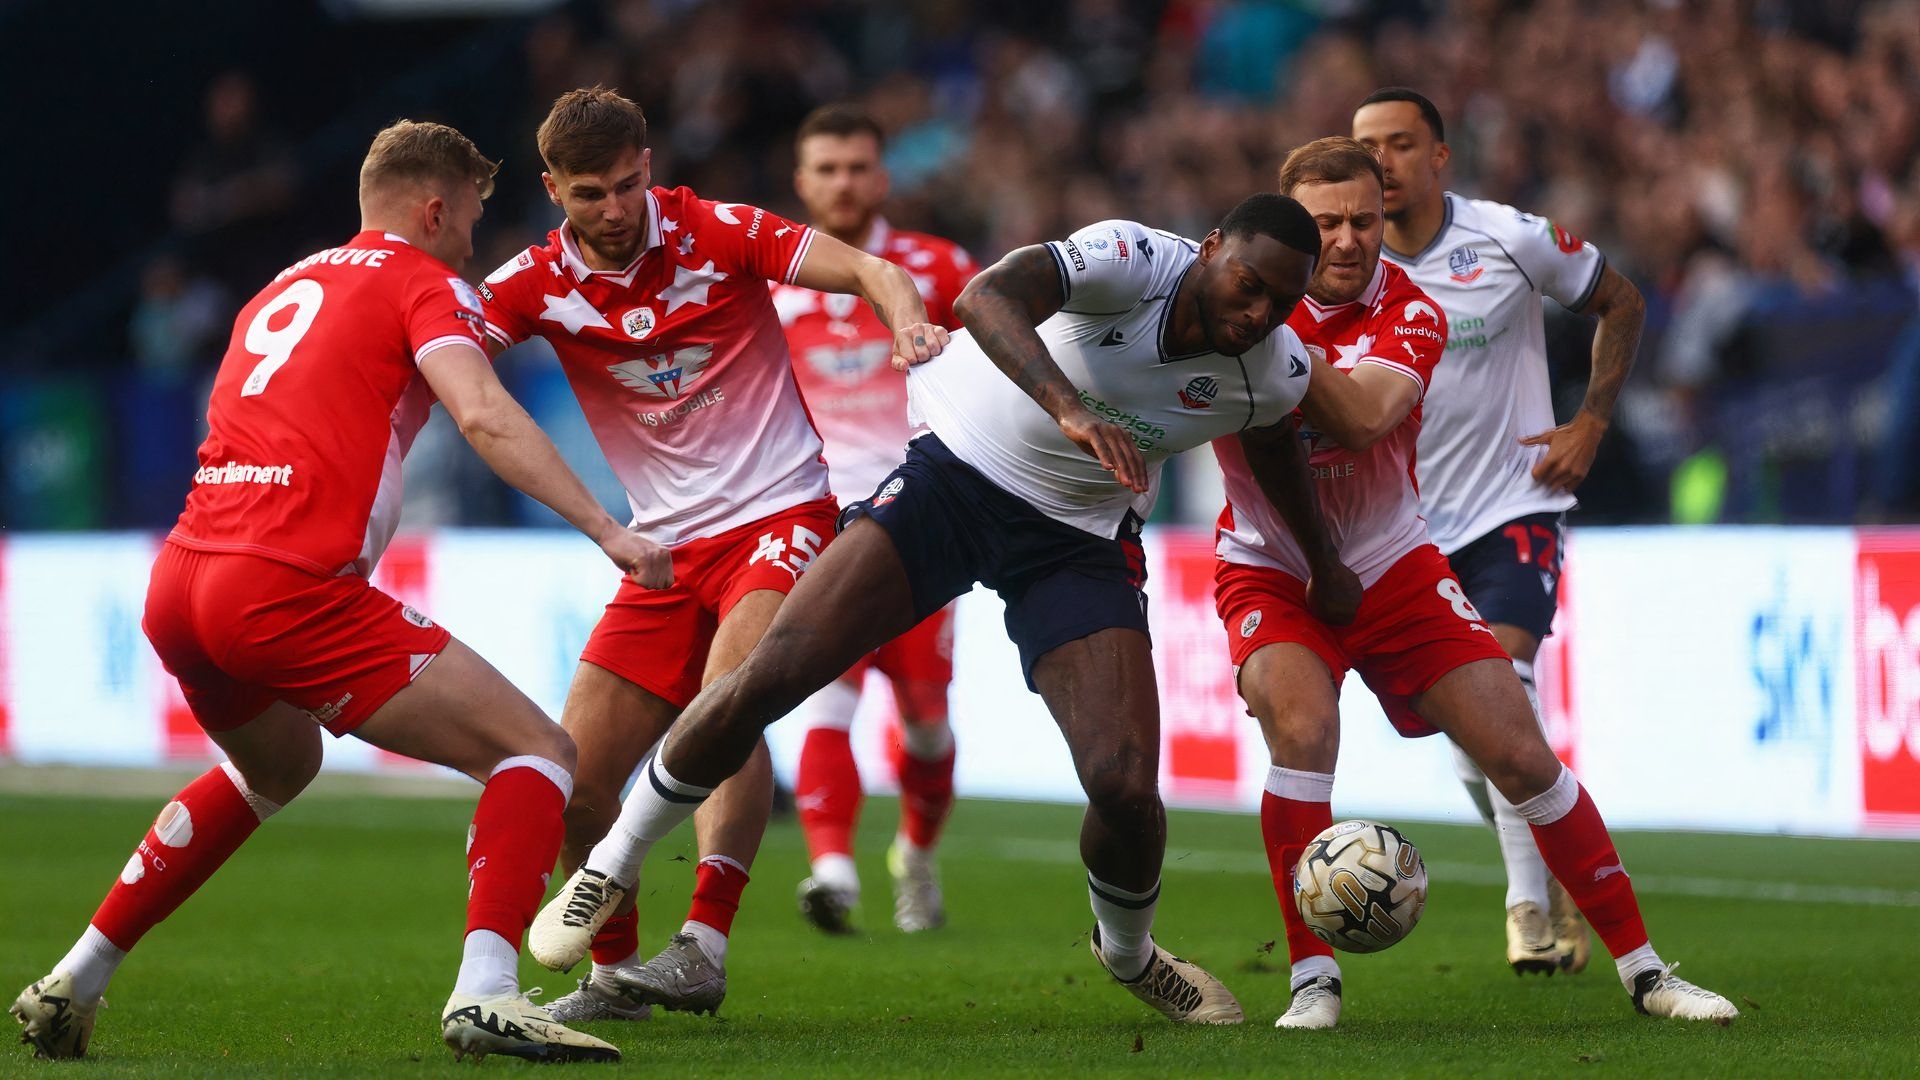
(1580, 853)
(1287, 825)
(717, 884)
(196, 832)
(926, 793)
(516, 836)
(619, 938)
(827, 792)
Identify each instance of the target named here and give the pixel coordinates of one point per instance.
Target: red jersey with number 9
(316, 402)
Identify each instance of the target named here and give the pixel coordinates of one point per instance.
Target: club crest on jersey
(1199, 393)
(890, 492)
(1464, 266)
(1249, 624)
(638, 323)
(665, 376)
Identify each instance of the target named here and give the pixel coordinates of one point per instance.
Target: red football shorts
(240, 632)
(658, 639)
(1414, 626)
(923, 654)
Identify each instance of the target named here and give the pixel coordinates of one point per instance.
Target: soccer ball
(1360, 886)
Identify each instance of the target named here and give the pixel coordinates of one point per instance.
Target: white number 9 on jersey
(276, 346)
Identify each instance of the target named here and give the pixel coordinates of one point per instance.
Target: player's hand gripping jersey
(317, 399)
(842, 357)
(1119, 278)
(1368, 497)
(678, 361)
(1487, 268)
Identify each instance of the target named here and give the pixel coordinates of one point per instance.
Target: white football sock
(1635, 962)
(837, 871)
(1310, 969)
(489, 966)
(655, 807)
(92, 962)
(1474, 781)
(1126, 925)
(1527, 875)
(603, 973)
(711, 941)
(929, 741)
(831, 706)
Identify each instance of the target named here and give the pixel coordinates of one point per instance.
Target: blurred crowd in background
(1753, 166)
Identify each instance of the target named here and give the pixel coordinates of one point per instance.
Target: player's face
(842, 181)
(1409, 153)
(1351, 228)
(452, 218)
(1248, 287)
(607, 209)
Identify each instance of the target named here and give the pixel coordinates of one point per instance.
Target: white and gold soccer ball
(1360, 886)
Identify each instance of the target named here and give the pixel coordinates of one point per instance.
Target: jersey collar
(1446, 222)
(570, 250)
(1367, 298)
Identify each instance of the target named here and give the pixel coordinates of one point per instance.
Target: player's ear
(646, 166)
(1210, 245)
(553, 189)
(1442, 153)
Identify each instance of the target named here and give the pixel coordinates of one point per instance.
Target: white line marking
(1248, 862)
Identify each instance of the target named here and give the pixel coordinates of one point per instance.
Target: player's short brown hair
(1332, 160)
(422, 152)
(588, 128)
(841, 120)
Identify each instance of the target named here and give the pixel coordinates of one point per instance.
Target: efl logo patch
(1249, 624)
(889, 492)
(1199, 393)
(638, 323)
(408, 613)
(1568, 243)
(1464, 266)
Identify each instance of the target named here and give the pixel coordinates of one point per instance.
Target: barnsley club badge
(638, 323)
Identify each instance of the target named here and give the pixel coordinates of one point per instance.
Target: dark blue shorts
(953, 527)
(1512, 574)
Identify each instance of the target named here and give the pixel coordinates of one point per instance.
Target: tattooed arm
(1001, 307)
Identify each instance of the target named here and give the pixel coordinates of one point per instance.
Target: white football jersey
(1487, 267)
(1119, 279)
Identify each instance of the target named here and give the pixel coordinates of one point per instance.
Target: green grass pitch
(328, 945)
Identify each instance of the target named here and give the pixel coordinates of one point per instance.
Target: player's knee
(1299, 738)
(283, 777)
(1521, 769)
(1123, 788)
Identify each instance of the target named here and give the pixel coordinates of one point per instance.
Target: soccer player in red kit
(656, 302)
(260, 605)
(859, 404)
(1417, 641)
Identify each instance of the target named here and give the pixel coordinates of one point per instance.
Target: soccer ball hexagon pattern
(1360, 886)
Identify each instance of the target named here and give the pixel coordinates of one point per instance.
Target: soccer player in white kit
(1085, 364)
(859, 405)
(1496, 474)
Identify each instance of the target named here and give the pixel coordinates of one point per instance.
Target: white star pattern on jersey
(573, 313)
(690, 286)
(1351, 354)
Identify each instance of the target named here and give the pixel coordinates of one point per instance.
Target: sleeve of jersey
(746, 239)
(505, 295)
(441, 311)
(1103, 268)
(1559, 264)
(1410, 337)
(1291, 371)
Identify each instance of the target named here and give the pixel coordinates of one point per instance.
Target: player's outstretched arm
(508, 440)
(1571, 446)
(1001, 307)
(831, 266)
(1360, 407)
(1278, 461)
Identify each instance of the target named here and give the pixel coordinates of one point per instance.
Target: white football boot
(513, 1025)
(1530, 945)
(1659, 992)
(917, 902)
(1182, 992)
(55, 1025)
(1315, 1007)
(1570, 933)
(563, 931)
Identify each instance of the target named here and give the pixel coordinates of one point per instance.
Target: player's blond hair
(414, 152)
(587, 129)
(1332, 160)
